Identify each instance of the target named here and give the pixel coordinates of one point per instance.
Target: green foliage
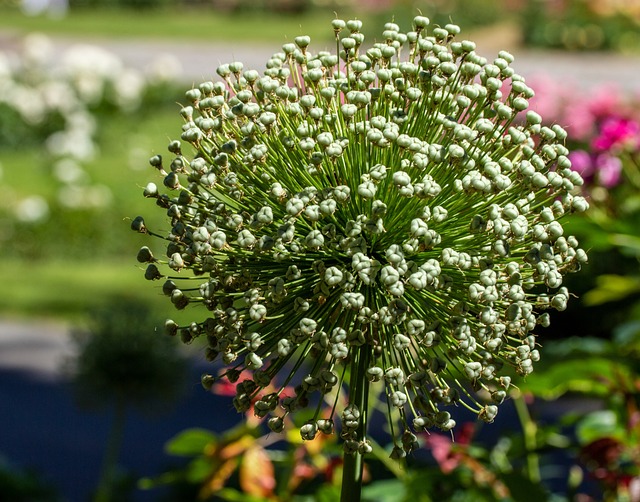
(579, 25)
(176, 22)
(190, 442)
(24, 486)
(468, 15)
(121, 4)
(16, 132)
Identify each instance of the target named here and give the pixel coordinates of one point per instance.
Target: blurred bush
(582, 24)
(124, 357)
(53, 115)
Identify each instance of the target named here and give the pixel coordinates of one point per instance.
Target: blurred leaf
(599, 424)
(631, 242)
(627, 334)
(235, 446)
(221, 474)
(389, 490)
(191, 442)
(576, 346)
(326, 493)
(612, 288)
(198, 470)
(575, 375)
(523, 489)
(233, 495)
(257, 474)
(593, 235)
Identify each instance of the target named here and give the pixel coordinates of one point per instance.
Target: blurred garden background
(89, 90)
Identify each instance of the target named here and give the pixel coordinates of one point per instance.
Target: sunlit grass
(64, 271)
(173, 24)
(70, 289)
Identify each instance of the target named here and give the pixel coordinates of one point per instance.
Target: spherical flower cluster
(367, 220)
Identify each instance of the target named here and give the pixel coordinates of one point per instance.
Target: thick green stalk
(530, 431)
(110, 461)
(359, 392)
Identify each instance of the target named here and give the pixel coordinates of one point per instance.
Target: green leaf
(611, 288)
(576, 347)
(327, 493)
(630, 242)
(389, 490)
(523, 489)
(190, 442)
(571, 376)
(627, 334)
(599, 424)
(233, 495)
(199, 469)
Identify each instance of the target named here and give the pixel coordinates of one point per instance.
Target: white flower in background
(59, 95)
(5, 67)
(164, 68)
(32, 209)
(68, 171)
(37, 50)
(28, 103)
(72, 143)
(83, 197)
(51, 87)
(76, 141)
(129, 87)
(89, 68)
(137, 158)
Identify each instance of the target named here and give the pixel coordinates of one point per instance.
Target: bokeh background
(89, 90)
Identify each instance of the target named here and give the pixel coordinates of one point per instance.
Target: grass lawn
(77, 259)
(183, 24)
(69, 290)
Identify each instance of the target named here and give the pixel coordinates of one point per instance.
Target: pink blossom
(609, 170)
(450, 455)
(617, 132)
(548, 99)
(582, 162)
(605, 101)
(579, 121)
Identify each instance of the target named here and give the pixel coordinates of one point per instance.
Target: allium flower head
(374, 215)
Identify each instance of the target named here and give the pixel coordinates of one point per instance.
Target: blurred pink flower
(605, 100)
(450, 455)
(604, 168)
(549, 97)
(578, 120)
(617, 132)
(609, 169)
(582, 162)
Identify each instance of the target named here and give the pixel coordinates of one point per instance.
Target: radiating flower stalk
(373, 215)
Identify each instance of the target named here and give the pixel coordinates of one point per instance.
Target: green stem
(359, 391)
(530, 431)
(110, 460)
